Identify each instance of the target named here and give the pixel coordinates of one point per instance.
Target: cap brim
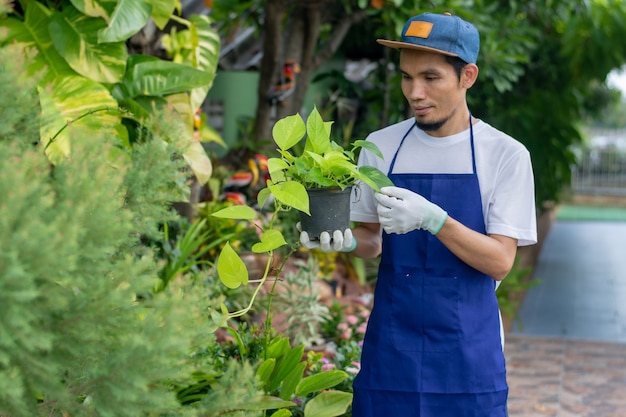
(406, 45)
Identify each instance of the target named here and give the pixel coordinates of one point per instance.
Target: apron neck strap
(471, 126)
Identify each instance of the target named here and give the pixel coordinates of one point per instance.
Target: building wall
(233, 98)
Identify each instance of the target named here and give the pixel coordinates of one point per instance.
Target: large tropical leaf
(193, 152)
(74, 37)
(198, 161)
(149, 76)
(128, 18)
(33, 34)
(162, 11)
(206, 46)
(95, 8)
(73, 108)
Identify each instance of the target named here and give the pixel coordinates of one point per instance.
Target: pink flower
(352, 319)
(347, 334)
(361, 329)
(328, 367)
(342, 326)
(353, 369)
(365, 314)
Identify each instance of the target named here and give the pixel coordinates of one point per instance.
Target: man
(462, 201)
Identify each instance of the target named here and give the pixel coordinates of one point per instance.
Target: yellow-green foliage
(81, 333)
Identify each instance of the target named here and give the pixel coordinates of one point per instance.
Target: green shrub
(75, 336)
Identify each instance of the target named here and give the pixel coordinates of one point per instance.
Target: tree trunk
(270, 63)
(301, 42)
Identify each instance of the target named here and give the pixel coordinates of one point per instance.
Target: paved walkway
(569, 357)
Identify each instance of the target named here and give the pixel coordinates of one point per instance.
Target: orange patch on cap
(419, 29)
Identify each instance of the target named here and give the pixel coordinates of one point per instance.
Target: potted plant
(322, 164)
(318, 180)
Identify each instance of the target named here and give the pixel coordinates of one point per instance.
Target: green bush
(81, 332)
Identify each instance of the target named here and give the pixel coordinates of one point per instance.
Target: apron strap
(395, 155)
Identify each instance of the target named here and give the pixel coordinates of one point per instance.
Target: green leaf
(74, 37)
(198, 160)
(93, 8)
(288, 131)
(263, 196)
(285, 365)
(149, 76)
(128, 18)
(328, 404)
(283, 412)
(276, 165)
(292, 194)
(278, 347)
(318, 133)
(264, 371)
(370, 146)
(231, 269)
(291, 381)
(84, 105)
(270, 239)
(206, 47)
(374, 177)
(162, 11)
(33, 34)
(320, 382)
(236, 212)
(265, 403)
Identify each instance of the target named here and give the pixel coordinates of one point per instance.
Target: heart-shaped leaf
(236, 212)
(288, 131)
(231, 269)
(270, 239)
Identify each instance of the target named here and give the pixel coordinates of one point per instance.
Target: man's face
(434, 92)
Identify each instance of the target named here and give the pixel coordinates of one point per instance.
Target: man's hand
(401, 211)
(340, 241)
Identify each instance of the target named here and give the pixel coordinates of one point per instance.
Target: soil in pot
(330, 211)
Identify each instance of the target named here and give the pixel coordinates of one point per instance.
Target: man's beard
(436, 125)
(432, 126)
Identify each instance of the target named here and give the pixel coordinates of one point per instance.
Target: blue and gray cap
(440, 33)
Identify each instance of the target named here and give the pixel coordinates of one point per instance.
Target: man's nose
(417, 91)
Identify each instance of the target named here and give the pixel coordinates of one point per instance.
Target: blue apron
(432, 346)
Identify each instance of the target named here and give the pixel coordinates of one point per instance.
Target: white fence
(601, 168)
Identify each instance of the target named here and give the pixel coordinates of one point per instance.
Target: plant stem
(69, 122)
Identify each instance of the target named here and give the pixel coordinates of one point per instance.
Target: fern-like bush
(81, 331)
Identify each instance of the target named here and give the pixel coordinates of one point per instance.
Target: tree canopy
(540, 62)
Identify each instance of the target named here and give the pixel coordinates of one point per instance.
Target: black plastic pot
(330, 211)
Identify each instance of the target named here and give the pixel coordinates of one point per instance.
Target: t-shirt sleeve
(512, 206)
(363, 204)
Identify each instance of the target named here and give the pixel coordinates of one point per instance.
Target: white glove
(401, 211)
(340, 242)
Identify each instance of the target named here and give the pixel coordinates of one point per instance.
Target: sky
(617, 79)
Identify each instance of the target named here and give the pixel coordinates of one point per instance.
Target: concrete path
(569, 357)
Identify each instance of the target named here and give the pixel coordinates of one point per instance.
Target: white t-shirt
(503, 166)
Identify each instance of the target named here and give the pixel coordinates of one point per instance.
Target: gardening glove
(340, 241)
(401, 211)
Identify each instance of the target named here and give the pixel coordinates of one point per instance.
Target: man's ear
(469, 75)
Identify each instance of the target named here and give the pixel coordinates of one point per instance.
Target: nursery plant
(282, 372)
(322, 164)
(317, 181)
